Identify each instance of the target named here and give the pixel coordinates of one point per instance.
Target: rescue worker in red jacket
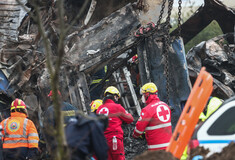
(155, 119)
(117, 114)
(20, 136)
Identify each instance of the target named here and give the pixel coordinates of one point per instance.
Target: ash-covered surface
(133, 147)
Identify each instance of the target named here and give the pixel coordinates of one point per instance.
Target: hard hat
(50, 94)
(112, 90)
(95, 104)
(148, 88)
(18, 103)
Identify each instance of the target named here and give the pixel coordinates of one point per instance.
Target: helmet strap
(146, 95)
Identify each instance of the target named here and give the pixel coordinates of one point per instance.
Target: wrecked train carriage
(32, 79)
(79, 63)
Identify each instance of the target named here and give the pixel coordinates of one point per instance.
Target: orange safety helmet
(18, 103)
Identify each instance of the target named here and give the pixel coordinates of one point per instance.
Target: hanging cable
(179, 17)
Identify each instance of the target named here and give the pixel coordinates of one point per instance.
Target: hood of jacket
(151, 98)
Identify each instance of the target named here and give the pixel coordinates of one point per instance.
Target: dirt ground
(228, 153)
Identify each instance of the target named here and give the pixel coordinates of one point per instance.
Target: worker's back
(85, 136)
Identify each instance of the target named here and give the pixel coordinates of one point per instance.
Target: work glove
(142, 136)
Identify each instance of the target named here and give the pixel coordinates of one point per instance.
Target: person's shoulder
(68, 105)
(30, 121)
(99, 121)
(119, 105)
(3, 120)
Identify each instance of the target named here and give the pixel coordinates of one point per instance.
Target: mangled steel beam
(212, 10)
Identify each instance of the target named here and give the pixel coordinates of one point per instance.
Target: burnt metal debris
(218, 56)
(24, 74)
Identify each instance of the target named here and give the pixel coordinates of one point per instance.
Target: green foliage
(211, 31)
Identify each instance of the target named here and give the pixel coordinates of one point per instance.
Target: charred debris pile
(107, 36)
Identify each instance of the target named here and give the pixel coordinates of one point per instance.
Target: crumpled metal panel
(218, 56)
(90, 50)
(11, 16)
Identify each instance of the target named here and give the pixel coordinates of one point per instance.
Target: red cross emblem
(104, 111)
(163, 113)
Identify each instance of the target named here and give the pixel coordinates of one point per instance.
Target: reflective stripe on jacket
(19, 131)
(117, 114)
(155, 120)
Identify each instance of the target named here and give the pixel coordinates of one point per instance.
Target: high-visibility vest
(212, 106)
(185, 154)
(100, 75)
(19, 131)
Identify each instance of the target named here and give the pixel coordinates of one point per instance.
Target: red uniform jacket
(117, 114)
(155, 120)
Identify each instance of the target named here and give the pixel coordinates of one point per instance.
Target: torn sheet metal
(11, 16)
(115, 29)
(218, 56)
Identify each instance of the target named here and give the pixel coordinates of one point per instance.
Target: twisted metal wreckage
(162, 58)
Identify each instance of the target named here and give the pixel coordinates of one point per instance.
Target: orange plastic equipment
(189, 117)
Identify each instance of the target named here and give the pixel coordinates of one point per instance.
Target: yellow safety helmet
(95, 104)
(148, 88)
(112, 90)
(18, 103)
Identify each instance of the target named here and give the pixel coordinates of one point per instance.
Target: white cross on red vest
(104, 111)
(163, 113)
